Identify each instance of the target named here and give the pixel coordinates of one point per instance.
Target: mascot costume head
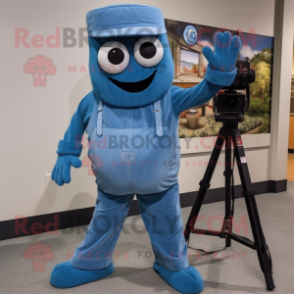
(135, 66)
(131, 118)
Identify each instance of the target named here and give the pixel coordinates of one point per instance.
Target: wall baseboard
(69, 219)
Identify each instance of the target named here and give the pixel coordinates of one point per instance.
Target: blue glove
(221, 69)
(61, 171)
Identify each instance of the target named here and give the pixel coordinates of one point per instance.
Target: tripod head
(228, 120)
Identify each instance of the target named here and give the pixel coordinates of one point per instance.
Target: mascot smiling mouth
(134, 87)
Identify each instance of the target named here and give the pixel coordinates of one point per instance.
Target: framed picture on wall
(186, 42)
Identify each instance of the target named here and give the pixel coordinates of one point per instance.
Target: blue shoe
(187, 281)
(64, 275)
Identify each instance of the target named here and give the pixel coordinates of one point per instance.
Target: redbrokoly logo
(40, 66)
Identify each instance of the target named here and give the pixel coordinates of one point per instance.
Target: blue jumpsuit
(131, 118)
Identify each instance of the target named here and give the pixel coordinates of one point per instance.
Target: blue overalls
(133, 151)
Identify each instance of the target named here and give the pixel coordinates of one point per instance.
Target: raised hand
(224, 57)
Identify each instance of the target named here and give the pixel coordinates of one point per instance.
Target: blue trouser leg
(161, 213)
(92, 260)
(95, 252)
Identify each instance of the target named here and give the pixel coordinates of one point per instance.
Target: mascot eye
(148, 51)
(113, 57)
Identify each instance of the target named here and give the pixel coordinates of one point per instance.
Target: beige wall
(281, 94)
(293, 61)
(33, 119)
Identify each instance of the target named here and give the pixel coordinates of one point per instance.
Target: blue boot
(187, 281)
(64, 275)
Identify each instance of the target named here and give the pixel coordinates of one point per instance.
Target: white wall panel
(34, 118)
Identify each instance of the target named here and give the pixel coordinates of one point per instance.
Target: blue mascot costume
(131, 118)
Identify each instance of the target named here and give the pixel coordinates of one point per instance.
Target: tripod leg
(204, 184)
(228, 200)
(260, 242)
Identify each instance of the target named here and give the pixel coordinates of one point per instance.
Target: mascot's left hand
(226, 52)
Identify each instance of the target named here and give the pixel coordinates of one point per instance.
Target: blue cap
(125, 20)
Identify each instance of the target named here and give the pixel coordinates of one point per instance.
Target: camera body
(231, 102)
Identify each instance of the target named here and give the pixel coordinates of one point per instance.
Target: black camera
(231, 102)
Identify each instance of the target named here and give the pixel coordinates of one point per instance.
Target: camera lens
(231, 103)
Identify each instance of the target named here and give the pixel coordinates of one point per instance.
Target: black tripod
(230, 135)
